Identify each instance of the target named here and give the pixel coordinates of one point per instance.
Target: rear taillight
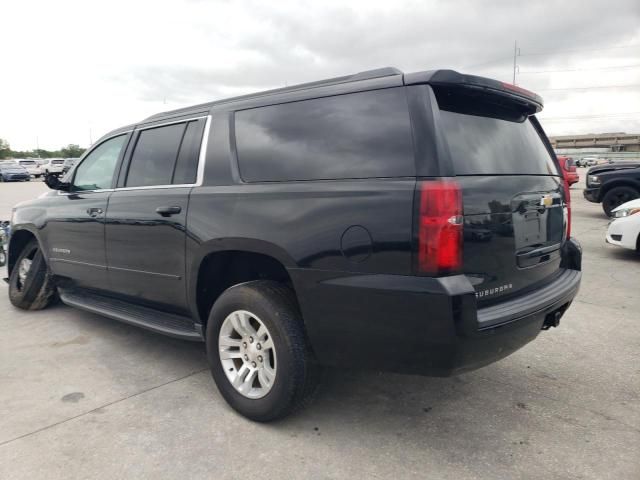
(439, 227)
(567, 205)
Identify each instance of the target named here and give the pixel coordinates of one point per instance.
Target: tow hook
(552, 320)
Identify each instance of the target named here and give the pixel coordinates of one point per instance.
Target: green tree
(5, 149)
(71, 151)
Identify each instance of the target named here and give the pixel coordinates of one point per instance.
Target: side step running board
(144, 317)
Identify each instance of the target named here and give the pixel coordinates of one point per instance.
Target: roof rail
(366, 75)
(376, 73)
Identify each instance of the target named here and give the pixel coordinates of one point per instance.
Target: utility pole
(516, 52)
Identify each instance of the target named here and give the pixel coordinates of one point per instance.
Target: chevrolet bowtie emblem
(546, 201)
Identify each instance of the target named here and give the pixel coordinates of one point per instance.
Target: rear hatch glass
(512, 194)
(491, 146)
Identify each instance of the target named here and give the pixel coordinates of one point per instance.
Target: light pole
(516, 52)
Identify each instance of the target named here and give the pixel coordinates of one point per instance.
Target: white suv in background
(53, 165)
(31, 166)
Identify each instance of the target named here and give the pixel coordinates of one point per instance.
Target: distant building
(613, 142)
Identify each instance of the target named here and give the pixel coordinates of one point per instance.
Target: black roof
(530, 102)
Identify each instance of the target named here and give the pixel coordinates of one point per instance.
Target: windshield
(57, 162)
(27, 162)
(492, 146)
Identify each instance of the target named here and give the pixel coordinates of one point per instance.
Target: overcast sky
(71, 68)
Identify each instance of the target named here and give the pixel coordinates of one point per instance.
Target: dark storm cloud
(300, 44)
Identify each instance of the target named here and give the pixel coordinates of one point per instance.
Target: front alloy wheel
(30, 282)
(23, 270)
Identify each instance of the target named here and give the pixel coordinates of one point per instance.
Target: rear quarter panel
(312, 221)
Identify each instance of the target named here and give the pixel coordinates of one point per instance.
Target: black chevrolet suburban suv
(413, 223)
(613, 184)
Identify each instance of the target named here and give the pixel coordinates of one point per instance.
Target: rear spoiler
(450, 78)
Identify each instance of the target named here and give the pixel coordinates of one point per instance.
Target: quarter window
(97, 169)
(186, 169)
(358, 135)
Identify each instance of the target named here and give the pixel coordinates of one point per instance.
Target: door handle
(94, 212)
(168, 211)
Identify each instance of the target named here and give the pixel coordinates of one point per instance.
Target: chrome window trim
(80, 192)
(184, 120)
(201, 161)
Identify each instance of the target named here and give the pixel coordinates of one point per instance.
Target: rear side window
(166, 155)
(358, 135)
(492, 146)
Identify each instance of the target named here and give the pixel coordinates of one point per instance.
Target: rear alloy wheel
(30, 283)
(616, 197)
(258, 352)
(247, 354)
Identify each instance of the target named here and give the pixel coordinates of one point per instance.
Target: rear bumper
(419, 325)
(592, 194)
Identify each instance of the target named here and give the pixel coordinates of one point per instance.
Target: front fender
(20, 235)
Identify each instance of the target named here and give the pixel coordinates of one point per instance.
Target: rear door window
(358, 135)
(154, 156)
(166, 155)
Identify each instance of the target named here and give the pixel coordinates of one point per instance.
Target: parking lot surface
(82, 396)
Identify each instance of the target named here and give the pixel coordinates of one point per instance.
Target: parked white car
(587, 161)
(624, 229)
(31, 166)
(53, 165)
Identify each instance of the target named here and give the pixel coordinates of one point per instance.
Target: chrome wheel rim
(23, 270)
(247, 354)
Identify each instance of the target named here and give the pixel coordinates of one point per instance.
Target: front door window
(97, 169)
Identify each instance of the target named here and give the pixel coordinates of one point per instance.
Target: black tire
(617, 196)
(3, 257)
(297, 374)
(37, 291)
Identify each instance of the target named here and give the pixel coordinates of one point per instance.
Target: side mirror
(52, 181)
